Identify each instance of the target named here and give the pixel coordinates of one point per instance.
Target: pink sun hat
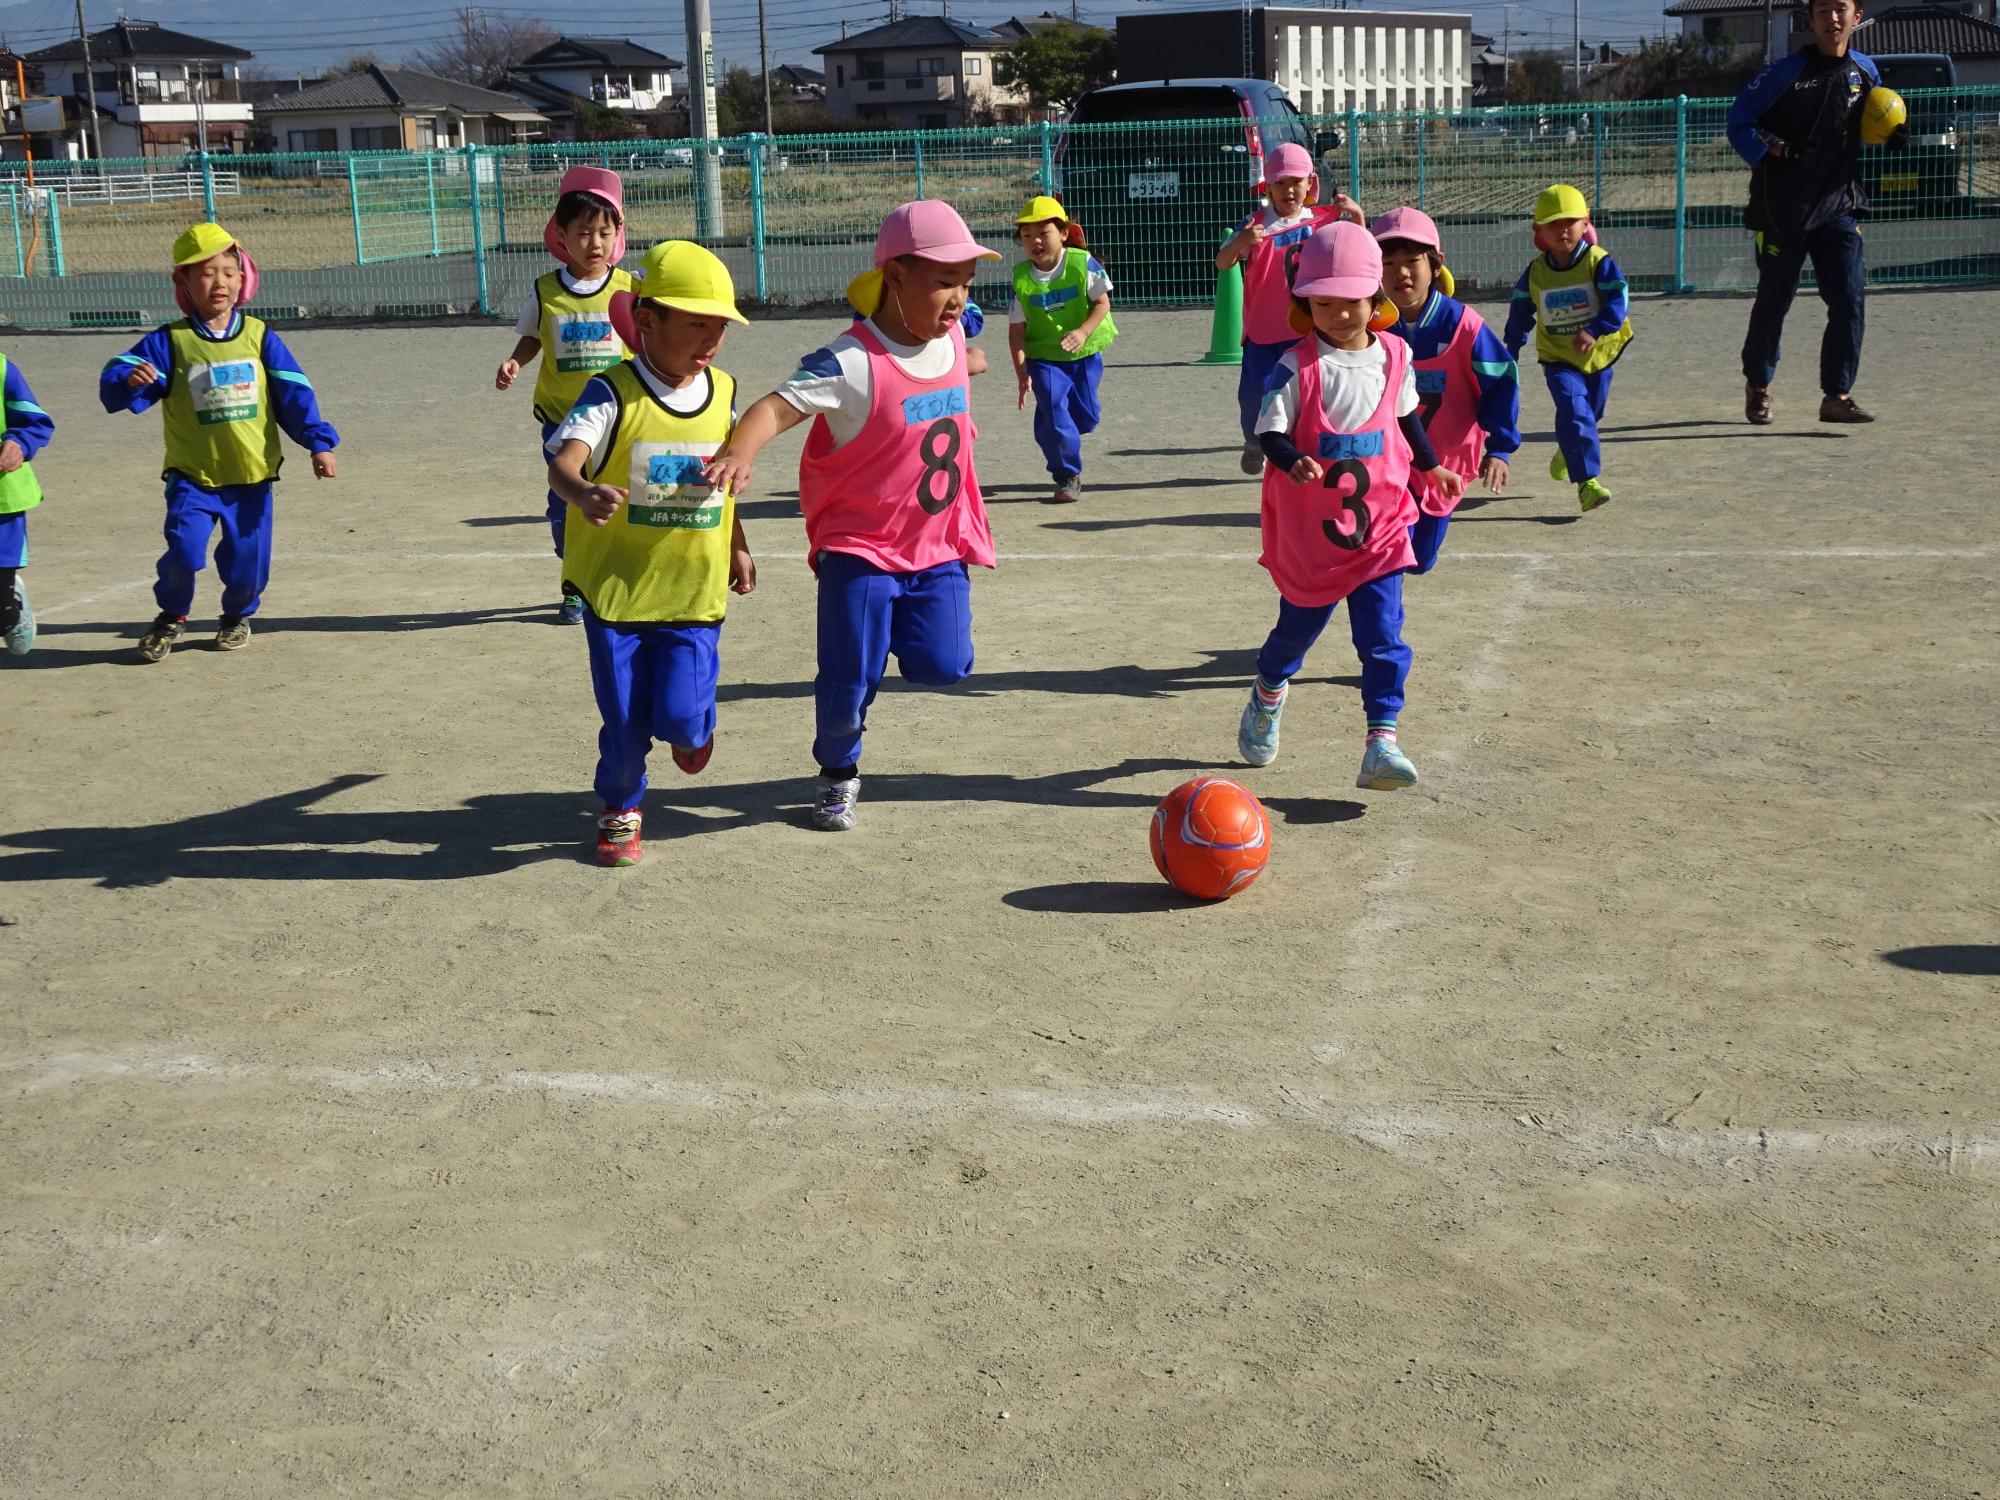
(599, 183)
(1340, 260)
(929, 229)
(1411, 224)
(1290, 160)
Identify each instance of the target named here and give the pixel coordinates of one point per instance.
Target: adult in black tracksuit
(1798, 124)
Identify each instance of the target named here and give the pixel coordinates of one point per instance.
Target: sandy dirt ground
(1614, 1114)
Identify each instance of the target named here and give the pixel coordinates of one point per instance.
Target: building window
(974, 66)
(376, 137)
(313, 140)
(427, 134)
(927, 66)
(840, 75)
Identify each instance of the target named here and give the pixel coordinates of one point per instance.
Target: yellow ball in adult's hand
(1882, 113)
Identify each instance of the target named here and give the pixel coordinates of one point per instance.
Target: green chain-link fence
(414, 234)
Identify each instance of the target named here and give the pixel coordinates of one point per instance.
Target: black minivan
(1159, 174)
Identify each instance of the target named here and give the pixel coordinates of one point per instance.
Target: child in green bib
(226, 385)
(28, 431)
(1057, 333)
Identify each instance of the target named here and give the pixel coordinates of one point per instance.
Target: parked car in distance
(1924, 175)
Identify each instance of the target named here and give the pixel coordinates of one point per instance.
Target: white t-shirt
(596, 411)
(529, 324)
(833, 382)
(1350, 388)
(1096, 285)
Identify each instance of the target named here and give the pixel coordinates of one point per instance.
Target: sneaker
(571, 611)
(233, 634)
(1592, 493)
(1257, 730)
(1253, 458)
(1068, 490)
(1757, 404)
(160, 637)
(1842, 409)
(618, 843)
(1384, 767)
(834, 811)
(21, 634)
(692, 761)
(1558, 470)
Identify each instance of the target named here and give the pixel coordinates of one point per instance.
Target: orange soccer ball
(1210, 838)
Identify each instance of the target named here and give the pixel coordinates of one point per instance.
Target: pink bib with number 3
(902, 493)
(1322, 541)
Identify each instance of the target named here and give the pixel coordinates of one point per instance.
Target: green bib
(663, 557)
(578, 340)
(1565, 302)
(19, 490)
(1058, 306)
(220, 426)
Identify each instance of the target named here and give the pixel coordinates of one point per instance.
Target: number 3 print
(1356, 502)
(939, 447)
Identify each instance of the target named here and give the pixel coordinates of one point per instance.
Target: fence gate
(411, 206)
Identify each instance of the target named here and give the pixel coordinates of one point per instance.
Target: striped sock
(1382, 729)
(1268, 695)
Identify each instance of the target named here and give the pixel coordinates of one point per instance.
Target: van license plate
(1153, 185)
(1895, 182)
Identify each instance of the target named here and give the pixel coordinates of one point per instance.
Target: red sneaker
(691, 761)
(618, 842)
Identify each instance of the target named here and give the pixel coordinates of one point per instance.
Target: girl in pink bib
(891, 499)
(1341, 435)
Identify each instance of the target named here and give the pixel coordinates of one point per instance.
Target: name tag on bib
(1340, 445)
(224, 393)
(585, 341)
(667, 489)
(1567, 308)
(931, 405)
(1430, 382)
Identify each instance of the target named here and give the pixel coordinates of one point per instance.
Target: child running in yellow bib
(568, 320)
(663, 550)
(1057, 333)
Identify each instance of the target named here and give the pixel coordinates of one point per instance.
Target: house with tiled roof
(1973, 45)
(920, 73)
(397, 109)
(157, 92)
(1739, 26)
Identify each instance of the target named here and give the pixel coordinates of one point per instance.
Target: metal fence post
(478, 231)
(1597, 157)
(758, 269)
(20, 250)
(1423, 123)
(1680, 192)
(207, 187)
(354, 203)
(1354, 153)
(917, 155)
(1048, 161)
(500, 197)
(55, 234)
(431, 189)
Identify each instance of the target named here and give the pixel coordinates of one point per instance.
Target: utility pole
(1767, 33)
(1507, 52)
(1576, 46)
(90, 126)
(701, 92)
(764, 64)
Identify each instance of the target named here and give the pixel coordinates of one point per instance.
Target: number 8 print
(939, 459)
(1355, 502)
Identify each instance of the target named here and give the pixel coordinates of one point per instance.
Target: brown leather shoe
(1842, 409)
(1757, 404)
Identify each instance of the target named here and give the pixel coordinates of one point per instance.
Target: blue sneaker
(571, 612)
(21, 638)
(1257, 731)
(1384, 767)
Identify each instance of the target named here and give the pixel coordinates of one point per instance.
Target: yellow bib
(1565, 302)
(664, 557)
(219, 423)
(19, 490)
(578, 341)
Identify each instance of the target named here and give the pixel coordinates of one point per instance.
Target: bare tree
(483, 46)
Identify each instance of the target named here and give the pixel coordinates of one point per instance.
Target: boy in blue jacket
(28, 431)
(227, 384)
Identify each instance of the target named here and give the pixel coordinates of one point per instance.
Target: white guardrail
(129, 187)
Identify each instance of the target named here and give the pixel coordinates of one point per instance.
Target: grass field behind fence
(403, 234)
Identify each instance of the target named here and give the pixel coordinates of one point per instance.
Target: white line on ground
(1958, 1150)
(44, 610)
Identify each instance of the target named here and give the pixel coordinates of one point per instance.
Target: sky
(289, 37)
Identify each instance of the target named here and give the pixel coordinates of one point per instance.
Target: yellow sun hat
(202, 242)
(1560, 201)
(677, 273)
(1041, 209)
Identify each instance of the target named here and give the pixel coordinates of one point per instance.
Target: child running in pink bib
(891, 500)
(1467, 391)
(1268, 245)
(1342, 435)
